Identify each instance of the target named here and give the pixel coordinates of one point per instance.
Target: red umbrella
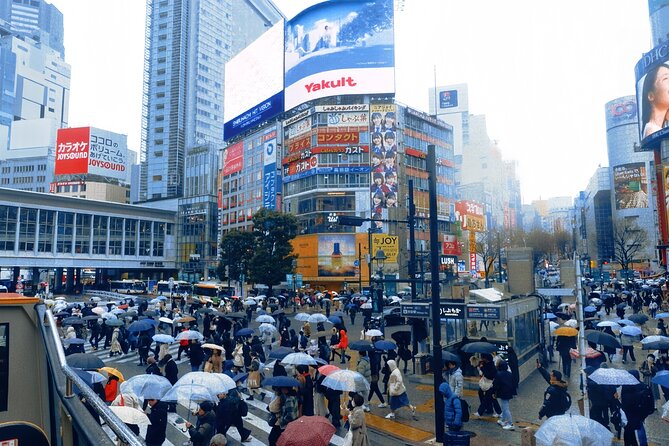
(325, 370)
(307, 431)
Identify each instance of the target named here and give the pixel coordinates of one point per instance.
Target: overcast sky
(540, 71)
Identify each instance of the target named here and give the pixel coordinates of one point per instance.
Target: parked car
(391, 316)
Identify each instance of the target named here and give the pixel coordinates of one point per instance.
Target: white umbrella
(301, 317)
(366, 306)
(373, 333)
(185, 394)
(267, 327)
(318, 317)
(573, 323)
(654, 338)
(568, 430)
(265, 319)
(167, 320)
(163, 338)
(130, 415)
(611, 324)
(615, 377)
(216, 382)
(346, 381)
(298, 359)
(630, 331)
(98, 310)
(213, 347)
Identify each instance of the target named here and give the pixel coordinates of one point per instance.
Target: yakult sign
(88, 150)
(339, 48)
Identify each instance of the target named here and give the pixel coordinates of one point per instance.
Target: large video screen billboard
(89, 150)
(631, 186)
(337, 48)
(652, 90)
(254, 83)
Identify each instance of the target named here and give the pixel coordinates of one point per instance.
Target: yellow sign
(472, 241)
(474, 223)
(390, 245)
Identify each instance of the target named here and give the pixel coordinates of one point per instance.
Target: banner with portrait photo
(630, 184)
(384, 159)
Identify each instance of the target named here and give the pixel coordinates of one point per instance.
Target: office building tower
(187, 44)
(36, 19)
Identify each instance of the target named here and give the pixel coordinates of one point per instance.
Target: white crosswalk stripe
(103, 353)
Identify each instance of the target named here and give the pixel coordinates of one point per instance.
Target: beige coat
(358, 425)
(115, 344)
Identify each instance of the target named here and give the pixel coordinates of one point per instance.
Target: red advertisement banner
(233, 158)
(72, 151)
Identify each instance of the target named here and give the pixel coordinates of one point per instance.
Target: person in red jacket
(111, 389)
(342, 346)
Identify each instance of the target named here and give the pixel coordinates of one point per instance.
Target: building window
(27, 229)
(100, 225)
(83, 234)
(46, 227)
(65, 231)
(8, 222)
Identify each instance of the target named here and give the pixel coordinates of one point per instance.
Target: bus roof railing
(49, 330)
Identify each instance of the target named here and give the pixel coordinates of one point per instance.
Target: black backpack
(464, 405)
(242, 407)
(646, 401)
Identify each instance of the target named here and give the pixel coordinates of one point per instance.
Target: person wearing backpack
(452, 408)
(229, 412)
(637, 402)
(556, 398)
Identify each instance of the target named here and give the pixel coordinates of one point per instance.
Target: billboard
(89, 150)
(621, 111)
(233, 158)
(384, 159)
(337, 255)
(269, 180)
(652, 83)
(338, 48)
(631, 186)
(448, 99)
(254, 83)
(470, 215)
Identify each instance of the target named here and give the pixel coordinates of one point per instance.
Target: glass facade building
(37, 19)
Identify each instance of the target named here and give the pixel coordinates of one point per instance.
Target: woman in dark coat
(306, 391)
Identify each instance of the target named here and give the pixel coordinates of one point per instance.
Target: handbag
(253, 380)
(485, 384)
(348, 439)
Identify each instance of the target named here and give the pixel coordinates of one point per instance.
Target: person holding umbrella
(228, 414)
(172, 375)
(356, 420)
(196, 355)
(375, 370)
(115, 344)
(563, 345)
(111, 388)
(627, 343)
(203, 430)
(155, 432)
(397, 391)
(365, 369)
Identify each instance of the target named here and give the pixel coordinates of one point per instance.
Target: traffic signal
(348, 220)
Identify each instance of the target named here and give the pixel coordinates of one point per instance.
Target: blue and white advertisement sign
(338, 48)
(269, 179)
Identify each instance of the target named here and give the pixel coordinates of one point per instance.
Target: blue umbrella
(661, 315)
(335, 319)
(240, 377)
(85, 361)
(661, 378)
(365, 346)
(630, 331)
(75, 341)
(590, 309)
(550, 316)
(144, 324)
(244, 332)
(280, 353)
(281, 381)
(385, 345)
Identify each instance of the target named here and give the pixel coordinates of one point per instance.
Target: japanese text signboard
(417, 310)
(451, 311)
(88, 150)
(484, 312)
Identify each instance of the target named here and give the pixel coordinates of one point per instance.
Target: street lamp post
(380, 258)
(294, 265)
(170, 285)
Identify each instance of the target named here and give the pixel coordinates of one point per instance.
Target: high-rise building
(36, 19)
(187, 44)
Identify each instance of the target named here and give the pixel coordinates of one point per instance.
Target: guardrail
(108, 295)
(86, 427)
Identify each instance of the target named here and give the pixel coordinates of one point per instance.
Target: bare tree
(487, 246)
(628, 241)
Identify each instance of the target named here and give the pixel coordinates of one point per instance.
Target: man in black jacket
(204, 429)
(563, 344)
(228, 414)
(172, 375)
(155, 432)
(556, 399)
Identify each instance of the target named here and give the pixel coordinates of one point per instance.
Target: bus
(127, 286)
(211, 290)
(179, 287)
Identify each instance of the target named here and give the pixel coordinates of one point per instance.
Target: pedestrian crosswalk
(103, 353)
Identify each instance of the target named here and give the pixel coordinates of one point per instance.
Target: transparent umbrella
(572, 430)
(187, 394)
(316, 318)
(298, 359)
(190, 335)
(346, 381)
(615, 377)
(302, 317)
(216, 382)
(265, 319)
(147, 387)
(130, 415)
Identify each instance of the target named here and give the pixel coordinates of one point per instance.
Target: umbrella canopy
(85, 361)
(250, 302)
(612, 324)
(244, 332)
(167, 320)
(147, 387)
(661, 315)
(265, 319)
(267, 327)
(114, 323)
(402, 337)
(90, 377)
(335, 319)
(92, 317)
(280, 352)
(385, 345)
(661, 378)
(601, 338)
(550, 316)
(307, 431)
(596, 301)
(621, 306)
(638, 318)
(316, 318)
(346, 381)
(216, 382)
(302, 317)
(98, 310)
(450, 356)
(281, 381)
(564, 305)
(573, 323)
(163, 338)
(236, 315)
(190, 335)
(113, 372)
(590, 309)
(298, 359)
(240, 377)
(213, 347)
(186, 394)
(625, 322)
(614, 377)
(655, 343)
(74, 341)
(73, 321)
(143, 325)
(361, 346)
(631, 331)
(184, 319)
(62, 314)
(374, 333)
(572, 430)
(326, 369)
(278, 312)
(563, 316)
(566, 331)
(130, 415)
(479, 347)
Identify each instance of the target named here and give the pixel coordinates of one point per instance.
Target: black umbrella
(85, 361)
(92, 317)
(655, 345)
(151, 313)
(563, 316)
(280, 352)
(73, 321)
(402, 337)
(602, 338)
(237, 315)
(281, 381)
(638, 318)
(362, 346)
(621, 306)
(62, 314)
(277, 312)
(450, 357)
(479, 347)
